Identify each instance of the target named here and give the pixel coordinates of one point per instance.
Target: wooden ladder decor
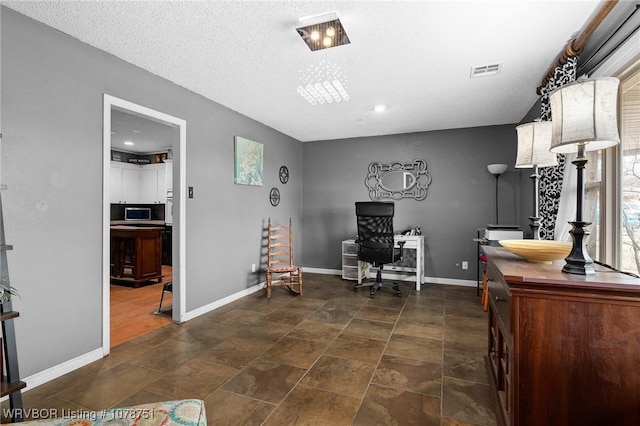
(11, 384)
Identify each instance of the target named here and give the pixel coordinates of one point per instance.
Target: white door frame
(179, 219)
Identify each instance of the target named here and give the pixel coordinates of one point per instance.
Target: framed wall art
(248, 156)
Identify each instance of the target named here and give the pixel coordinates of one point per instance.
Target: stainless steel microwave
(137, 213)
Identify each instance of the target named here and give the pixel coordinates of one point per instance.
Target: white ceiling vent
(485, 70)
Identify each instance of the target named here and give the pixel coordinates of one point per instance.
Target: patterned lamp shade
(534, 141)
(584, 113)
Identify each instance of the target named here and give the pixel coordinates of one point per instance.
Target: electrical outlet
(253, 267)
(465, 264)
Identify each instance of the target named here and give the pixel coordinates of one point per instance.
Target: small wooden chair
(280, 269)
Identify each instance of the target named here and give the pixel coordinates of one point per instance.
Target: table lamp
(497, 170)
(534, 141)
(584, 118)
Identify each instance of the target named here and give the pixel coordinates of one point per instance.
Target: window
(629, 161)
(591, 213)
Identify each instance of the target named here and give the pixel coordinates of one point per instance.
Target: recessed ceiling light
(380, 108)
(128, 143)
(137, 131)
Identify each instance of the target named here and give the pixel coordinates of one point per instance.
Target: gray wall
(461, 197)
(52, 88)
(52, 94)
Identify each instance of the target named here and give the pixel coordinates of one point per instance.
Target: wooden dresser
(563, 349)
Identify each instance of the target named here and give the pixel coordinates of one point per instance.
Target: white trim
(322, 271)
(450, 281)
(180, 293)
(60, 370)
(221, 302)
(401, 277)
(106, 219)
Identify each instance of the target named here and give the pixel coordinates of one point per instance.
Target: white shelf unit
(350, 270)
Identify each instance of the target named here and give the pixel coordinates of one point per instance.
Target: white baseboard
(400, 276)
(450, 281)
(218, 303)
(60, 370)
(322, 271)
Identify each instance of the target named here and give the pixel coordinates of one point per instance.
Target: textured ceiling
(415, 57)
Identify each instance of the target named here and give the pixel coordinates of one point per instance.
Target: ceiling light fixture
(323, 83)
(380, 108)
(326, 27)
(128, 143)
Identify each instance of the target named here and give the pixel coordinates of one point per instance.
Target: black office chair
(375, 241)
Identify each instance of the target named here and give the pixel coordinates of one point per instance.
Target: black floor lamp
(497, 170)
(534, 141)
(584, 117)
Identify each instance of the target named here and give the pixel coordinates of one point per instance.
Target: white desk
(413, 242)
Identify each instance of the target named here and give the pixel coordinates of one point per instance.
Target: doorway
(125, 110)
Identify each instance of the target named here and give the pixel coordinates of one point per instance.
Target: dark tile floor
(330, 357)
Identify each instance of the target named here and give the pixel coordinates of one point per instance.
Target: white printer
(495, 233)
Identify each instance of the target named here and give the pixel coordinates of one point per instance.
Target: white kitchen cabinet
(134, 184)
(162, 183)
(153, 189)
(169, 174)
(115, 187)
(131, 185)
(148, 185)
(125, 183)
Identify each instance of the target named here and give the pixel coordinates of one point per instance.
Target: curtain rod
(575, 46)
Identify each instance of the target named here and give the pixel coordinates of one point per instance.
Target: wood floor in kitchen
(133, 309)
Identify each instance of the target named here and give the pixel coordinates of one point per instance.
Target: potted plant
(7, 292)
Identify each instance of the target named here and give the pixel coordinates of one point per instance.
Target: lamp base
(579, 262)
(535, 226)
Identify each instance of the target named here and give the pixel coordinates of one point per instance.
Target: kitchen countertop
(135, 228)
(138, 222)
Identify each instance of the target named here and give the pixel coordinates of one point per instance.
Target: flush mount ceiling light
(380, 108)
(322, 31)
(323, 83)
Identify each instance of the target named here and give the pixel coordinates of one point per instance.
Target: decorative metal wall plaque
(274, 196)
(284, 174)
(398, 180)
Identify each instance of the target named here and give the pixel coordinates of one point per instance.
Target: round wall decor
(274, 196)
(284, 174)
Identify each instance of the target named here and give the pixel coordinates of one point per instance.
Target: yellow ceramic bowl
(538, 250)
